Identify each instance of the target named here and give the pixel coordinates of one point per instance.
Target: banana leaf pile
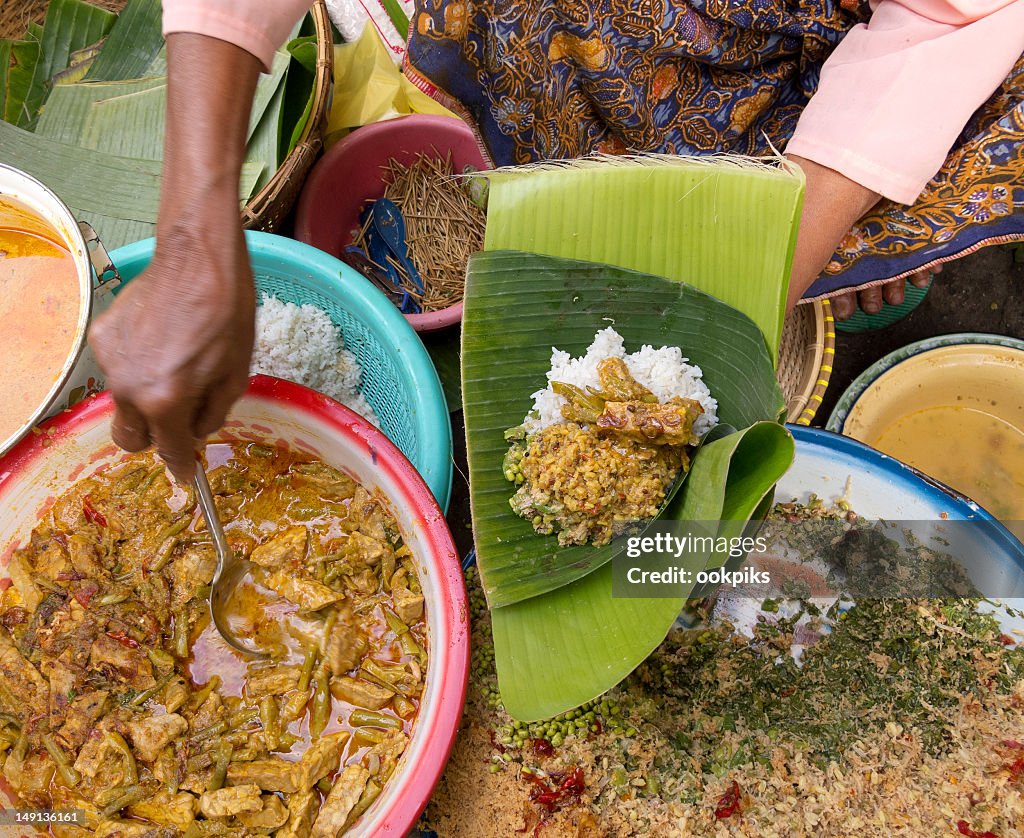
(82, 108)
(685, 253)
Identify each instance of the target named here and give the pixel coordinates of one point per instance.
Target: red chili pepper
(1012, 743)
(1016, 768)
(574, 784)
(85, 594)
(124, 639)
(1006, 640)
(542, 747)
(567, 788)
(729, 803)
(964, 828)
(91, 514)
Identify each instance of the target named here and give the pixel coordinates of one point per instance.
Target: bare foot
(871, 299)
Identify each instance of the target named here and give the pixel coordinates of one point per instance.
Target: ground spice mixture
(906, 720)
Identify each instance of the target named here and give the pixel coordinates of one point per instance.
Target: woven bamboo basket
(269, 207)
(806, 354)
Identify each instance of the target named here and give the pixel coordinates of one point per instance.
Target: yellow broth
(970, 450)
(39, 308)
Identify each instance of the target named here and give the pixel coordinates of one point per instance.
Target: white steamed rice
(663, 371)
(302, 344)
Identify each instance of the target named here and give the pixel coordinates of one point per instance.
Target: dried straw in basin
(443, 227)
(805, 359)
(267, 209)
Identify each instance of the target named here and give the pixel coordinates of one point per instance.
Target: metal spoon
(230, 570)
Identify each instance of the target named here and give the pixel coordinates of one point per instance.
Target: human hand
(176, 350)
(871, 299)
(176, 344)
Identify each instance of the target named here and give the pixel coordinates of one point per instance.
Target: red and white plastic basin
(76, 443)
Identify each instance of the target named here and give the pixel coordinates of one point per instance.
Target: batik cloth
(559, 79)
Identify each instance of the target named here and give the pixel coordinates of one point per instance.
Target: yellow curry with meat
(608, 465)
(118, 698)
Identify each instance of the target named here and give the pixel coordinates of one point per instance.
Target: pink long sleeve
(257, 26)
(898, 91)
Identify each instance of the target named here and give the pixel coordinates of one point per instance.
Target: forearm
(210, 90)
(176, 344)
(832, 205)
(896, 93)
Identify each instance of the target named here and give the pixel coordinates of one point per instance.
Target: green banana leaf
(725, 225)
(133, 43)
(118, 195)
(158, 67)
(517, 305)
(299, 90)
(130, 121)
(265, 141)
(5, 66)
(18, 71)
(558, 651)
(69, 25)
(267, 93)
(68, 107)
(399, 19)
(118, 186)
(132, 125)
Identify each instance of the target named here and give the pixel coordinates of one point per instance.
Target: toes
(893, 292)
(843, 306)
(870, 300)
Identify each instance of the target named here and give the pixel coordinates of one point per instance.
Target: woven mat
(15, 15)
(805, 360)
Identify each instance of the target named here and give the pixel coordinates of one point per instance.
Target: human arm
(176, 345)
(892, 100)
(832, 205)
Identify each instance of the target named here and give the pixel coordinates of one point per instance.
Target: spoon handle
(212, 520)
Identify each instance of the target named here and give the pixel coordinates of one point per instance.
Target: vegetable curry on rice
(117, 698)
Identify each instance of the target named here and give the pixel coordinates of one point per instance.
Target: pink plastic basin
(76, 443)
(350, 174)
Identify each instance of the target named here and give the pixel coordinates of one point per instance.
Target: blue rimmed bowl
(863, 382)
(399, 379)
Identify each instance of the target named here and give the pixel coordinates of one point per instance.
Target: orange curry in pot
(40, 302)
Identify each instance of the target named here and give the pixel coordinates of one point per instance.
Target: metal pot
(97, 278)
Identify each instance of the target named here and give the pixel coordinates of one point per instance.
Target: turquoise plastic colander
(399, 379)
